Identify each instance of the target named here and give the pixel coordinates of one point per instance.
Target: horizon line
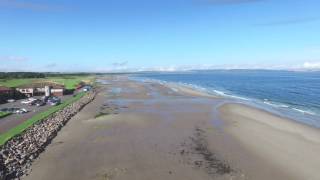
(164, 71)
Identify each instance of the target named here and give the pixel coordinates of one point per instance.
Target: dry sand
(144, 131)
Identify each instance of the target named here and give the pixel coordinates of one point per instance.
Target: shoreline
(274, 120)
(178, 86)
(274, 114)
(287, 113)
(195, 92)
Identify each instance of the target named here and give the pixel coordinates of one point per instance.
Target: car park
(19, 115)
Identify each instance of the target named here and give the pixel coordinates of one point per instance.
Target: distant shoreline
(283, 111)
(233, 101)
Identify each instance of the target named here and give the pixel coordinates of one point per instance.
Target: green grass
(14, 82)
(70, 81)
(4, 114)
(36, 118)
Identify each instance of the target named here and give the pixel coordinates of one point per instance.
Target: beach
(148, 130)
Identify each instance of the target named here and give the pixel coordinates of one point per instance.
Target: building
(6, 93)
(41, 89)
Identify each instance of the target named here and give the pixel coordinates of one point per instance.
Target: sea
(291, 94)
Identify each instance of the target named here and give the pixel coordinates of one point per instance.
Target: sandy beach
(146, 130)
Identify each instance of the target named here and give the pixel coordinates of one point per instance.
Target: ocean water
(291, 94)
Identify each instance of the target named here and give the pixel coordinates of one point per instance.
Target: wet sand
(290, 146)
(152, 131)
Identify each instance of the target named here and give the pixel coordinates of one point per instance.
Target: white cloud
(311, 65)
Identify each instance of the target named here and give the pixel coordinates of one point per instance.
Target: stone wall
(18, 153)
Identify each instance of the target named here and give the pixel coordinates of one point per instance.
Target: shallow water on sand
(291, 94)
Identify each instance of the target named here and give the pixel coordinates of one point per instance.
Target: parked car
(20, 111)
(4, 110)
(45, 98)
(31, 103)
(40, 103)
(14, 110)
(53, 99)
(87, 88)
(28, 101)
(11, 100)
(25, 101)
(54, 103)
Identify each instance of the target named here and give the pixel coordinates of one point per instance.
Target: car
(14, 110)
(28, 101)
(11, 100)
(20, 111)
(4, 109)
(40, 103)
(53, 99)
(54, 102)
(25, 102)
(32, 103)
(87, 88)
(45, 98)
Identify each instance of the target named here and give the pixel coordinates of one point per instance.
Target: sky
(133, 35)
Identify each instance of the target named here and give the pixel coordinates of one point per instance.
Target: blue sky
(104, 35)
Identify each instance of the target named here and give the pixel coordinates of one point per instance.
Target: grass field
(4, 114)
(15, 82)
(38, 117)
(70, 82)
